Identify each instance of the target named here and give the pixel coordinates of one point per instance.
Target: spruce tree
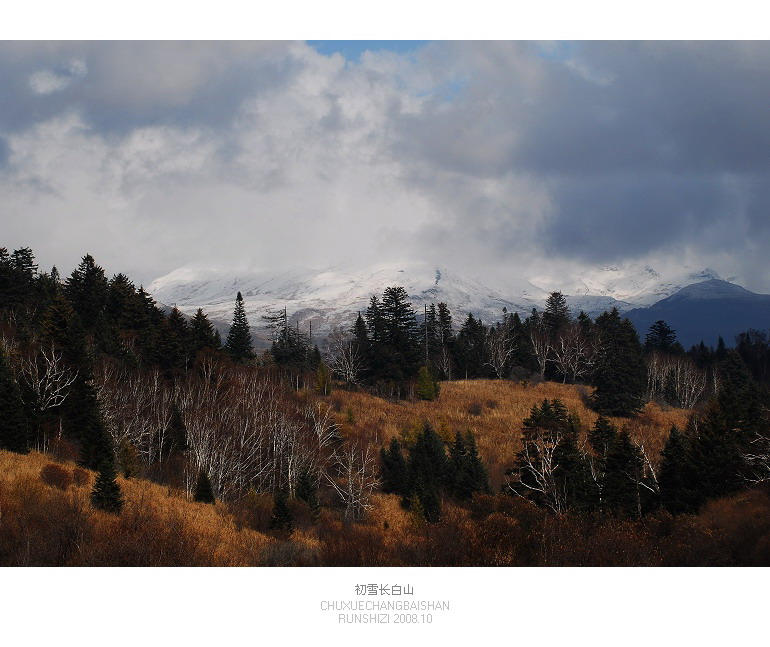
(572, 475)
(14, 428)
(106, 492)
(307, 491)
(466, 471)
(620, 375)
(394, 470)
(204, 492)
(281, 519)
(202, 333)
(661, 337)
(427, 387)
(675, 489)
(238, 344)
(556, 314)
(621, 488)
(87, 289)
(601, 436)
(428, 471)
(714, 458)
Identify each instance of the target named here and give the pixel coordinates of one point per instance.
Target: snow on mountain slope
(332, 296)
(633, 284)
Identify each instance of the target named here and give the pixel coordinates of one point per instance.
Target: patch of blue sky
(556, 50)
(352, 49)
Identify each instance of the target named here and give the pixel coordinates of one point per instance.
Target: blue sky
(352, 49)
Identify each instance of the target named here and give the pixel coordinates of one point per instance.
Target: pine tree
(621, 487)
(177, 431)
(323, 379)
(556, 314)
(714, 458)
(601, 436)
(281, 520)
(394, 470)
(427, 387)
(675, 488)
(308, 492)
(470, 348)
(466, 472)
(572, 475)
(87, 289)
(739, 397)
(106, 492)
(620, 375)
(204, 492)
(428, 471)
(14, 428)
(661, 337)
(238, 344)
(202, 334)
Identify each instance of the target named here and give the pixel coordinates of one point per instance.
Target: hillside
(50, 524)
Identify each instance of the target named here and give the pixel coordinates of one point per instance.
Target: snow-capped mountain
(705, 311)
(634, 285)
(332, 296)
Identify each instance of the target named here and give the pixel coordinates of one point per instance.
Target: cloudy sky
(490, 158)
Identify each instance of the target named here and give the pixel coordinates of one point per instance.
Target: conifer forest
(134, 434)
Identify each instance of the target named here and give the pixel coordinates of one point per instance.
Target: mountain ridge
(323, 298)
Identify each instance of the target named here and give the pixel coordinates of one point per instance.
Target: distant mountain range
(706, 310)
(698, 304)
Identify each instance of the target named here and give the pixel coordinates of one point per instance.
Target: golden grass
(153, 515)
(503, 406)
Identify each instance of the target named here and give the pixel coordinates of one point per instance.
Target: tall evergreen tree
(620, 375)
(87, 289)
(202, 333)
(622, 487)
(14, 428)
(238, 344)
(428, 472)
(394, 470)
(714, 456)
(556, 314)
(204, 491)
(470, 348)
(106, 493)
(281, 520)
(466, 471)
(675, 475)
(661, 337)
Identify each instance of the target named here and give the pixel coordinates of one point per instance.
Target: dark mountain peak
(706, 310)
(711, 289)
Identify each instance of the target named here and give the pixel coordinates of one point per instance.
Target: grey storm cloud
(495, 155)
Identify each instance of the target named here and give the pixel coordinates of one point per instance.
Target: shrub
(475, 408)
(56, 476)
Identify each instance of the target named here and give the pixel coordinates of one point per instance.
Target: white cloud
(488, 156)
(46, 82)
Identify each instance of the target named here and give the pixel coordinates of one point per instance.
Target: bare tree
(500, 347)
(356, 477)
(540, 340)
(47, 378)
(444, 361)
(537, 470)
(343, 355)
(675, 378)
(572, 351)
